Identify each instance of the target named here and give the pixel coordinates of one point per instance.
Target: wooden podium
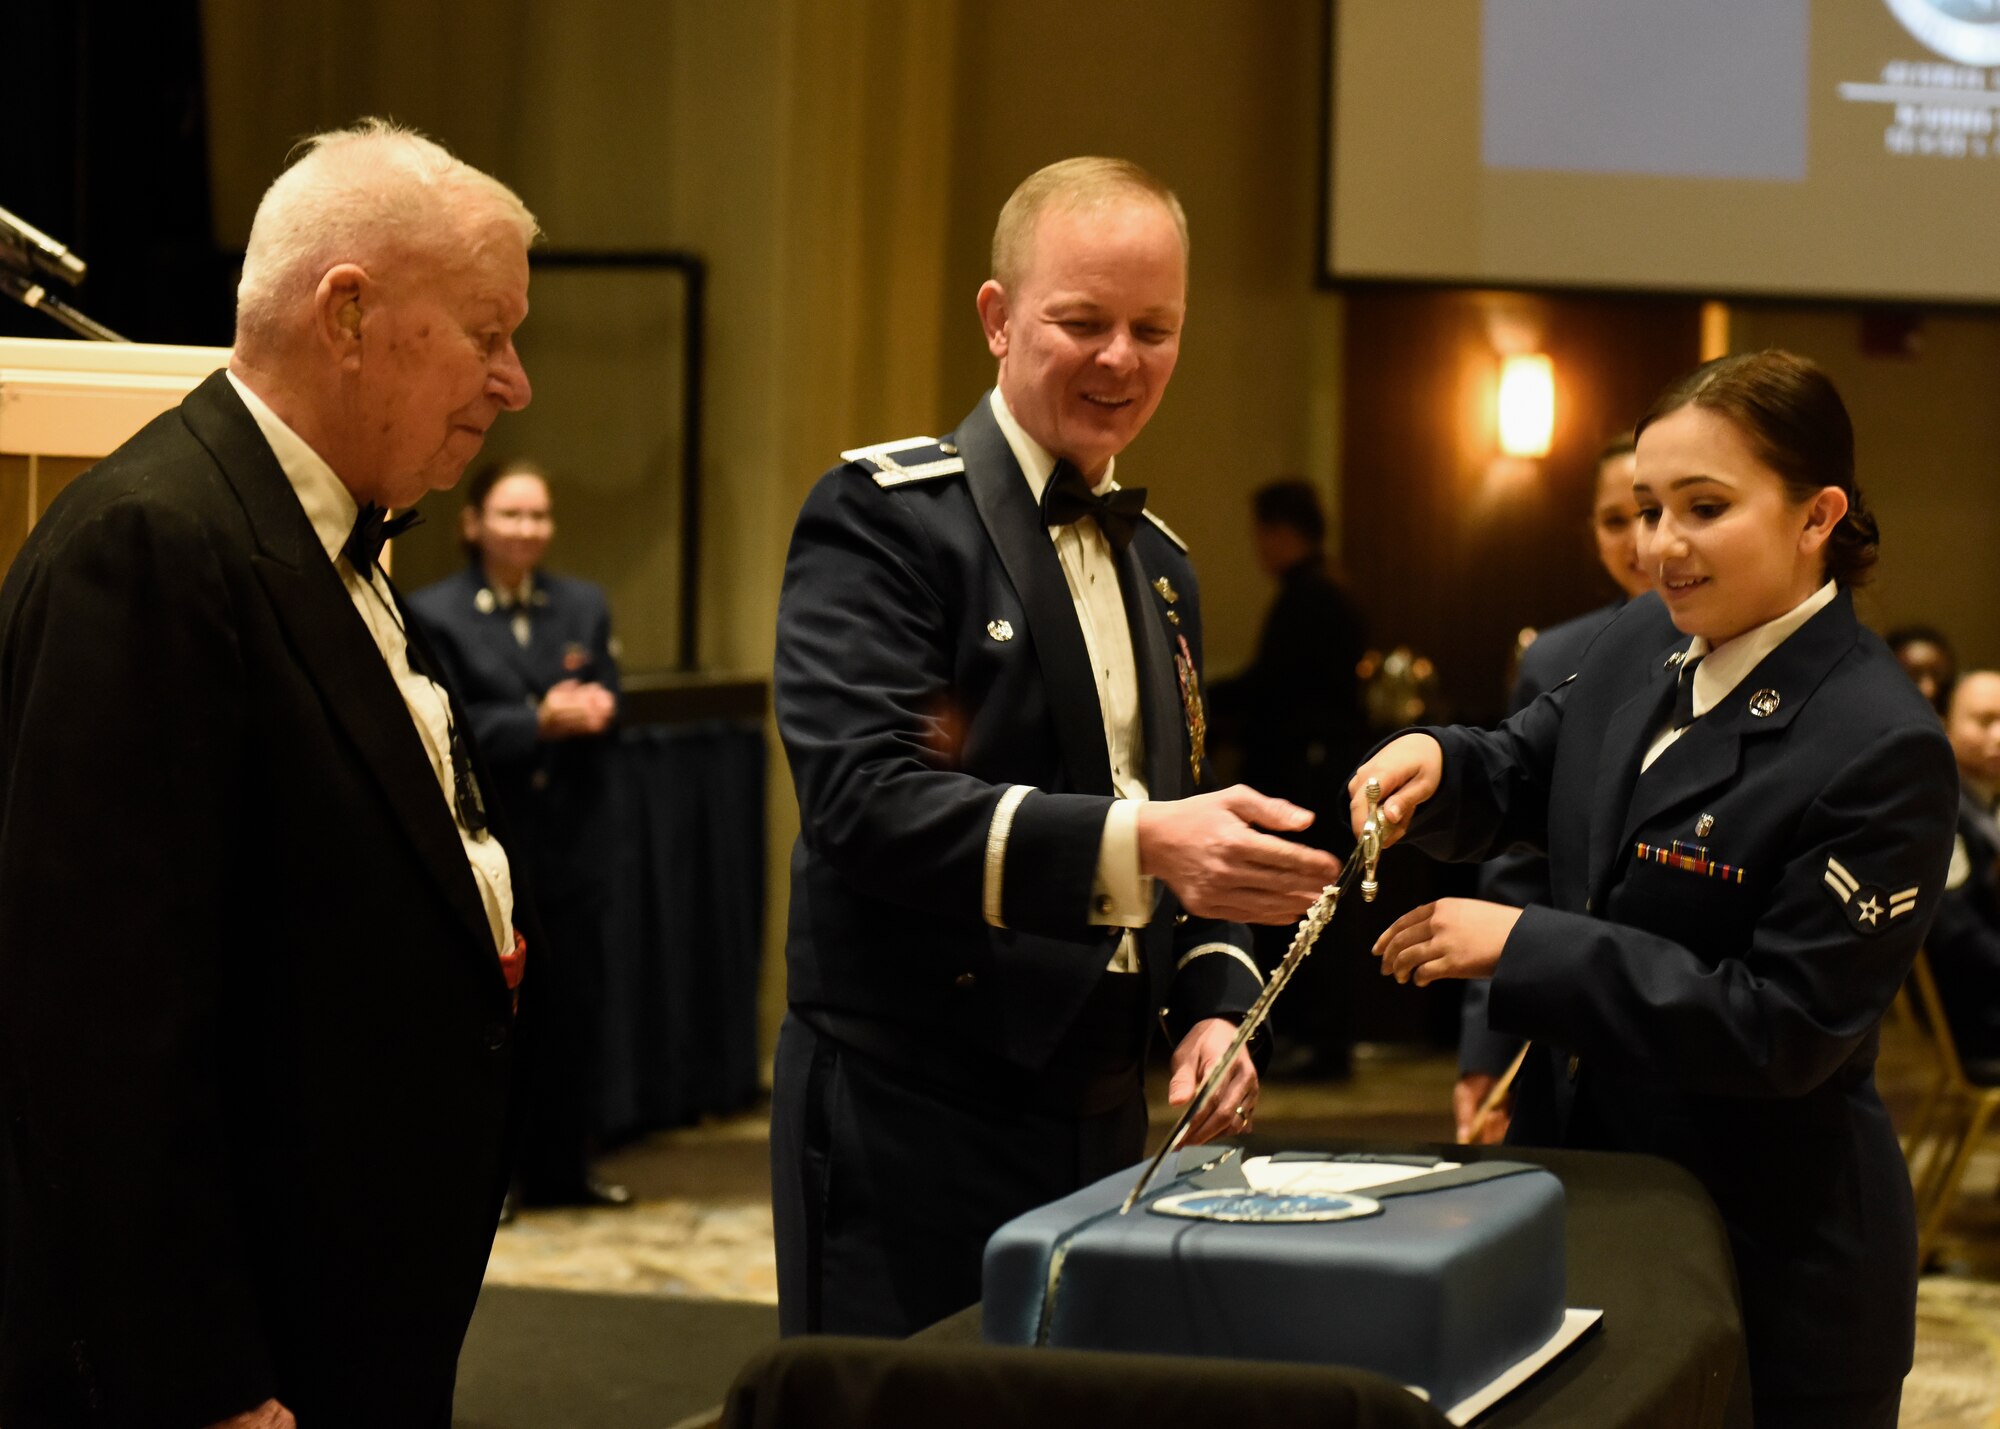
(65, 404)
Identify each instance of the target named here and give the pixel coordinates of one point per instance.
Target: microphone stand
(31, 294)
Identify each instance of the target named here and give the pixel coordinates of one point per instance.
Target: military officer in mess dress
(988, 684)
(1748, 833)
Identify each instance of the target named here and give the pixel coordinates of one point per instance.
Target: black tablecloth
(1645, 1245)
(684, 926)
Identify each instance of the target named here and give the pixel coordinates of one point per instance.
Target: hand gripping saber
(1367, 854)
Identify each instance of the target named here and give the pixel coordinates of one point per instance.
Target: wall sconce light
(1527, 405)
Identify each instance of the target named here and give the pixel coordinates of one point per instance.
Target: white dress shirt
(331, 509)
(1091, 571)
(1724, 667)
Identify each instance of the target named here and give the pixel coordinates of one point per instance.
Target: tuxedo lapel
(1167, 772)
(334, 646)
(1007, 509)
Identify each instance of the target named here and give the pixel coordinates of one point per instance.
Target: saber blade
(1367, 854)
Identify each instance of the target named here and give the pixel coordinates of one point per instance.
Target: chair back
(1930, 1015)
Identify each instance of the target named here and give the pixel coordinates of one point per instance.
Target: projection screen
(1786, 148)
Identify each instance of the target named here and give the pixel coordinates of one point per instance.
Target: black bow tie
(373, 528)
(1068, 498)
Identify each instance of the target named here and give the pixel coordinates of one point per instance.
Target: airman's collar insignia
(1166, 589)
(1869, 909)
(1000, 630)
(1764, 702)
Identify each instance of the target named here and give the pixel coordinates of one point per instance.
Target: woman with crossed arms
(1748, 814)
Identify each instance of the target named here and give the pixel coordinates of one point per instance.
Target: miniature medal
(1197, 718)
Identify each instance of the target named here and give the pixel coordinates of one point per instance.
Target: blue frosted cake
(1442, 1281)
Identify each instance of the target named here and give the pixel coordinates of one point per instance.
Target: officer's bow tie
(373, 528)
(1068, 498)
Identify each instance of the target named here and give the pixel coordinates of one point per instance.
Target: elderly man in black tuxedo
(988, 684)
(258, 940)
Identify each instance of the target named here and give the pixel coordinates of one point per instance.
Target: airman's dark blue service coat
(554, 788)
(557, 794)
(936, 702)
(1725, 932)
(1520, 876)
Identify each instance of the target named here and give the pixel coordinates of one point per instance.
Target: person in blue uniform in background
(1927, 657)
(1748, 814)
(531, 657)
(1965, 941)
(1295, 716)
(1521, 876)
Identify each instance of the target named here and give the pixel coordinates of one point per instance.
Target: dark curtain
(107, 152)
(685, 927)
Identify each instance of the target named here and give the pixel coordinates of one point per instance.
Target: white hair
(352, 194)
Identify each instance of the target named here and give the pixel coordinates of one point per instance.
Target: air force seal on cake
(1869, 909)
(1964, 30)
(1275, 1207)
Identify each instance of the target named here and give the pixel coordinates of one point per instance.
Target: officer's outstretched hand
(1410, 770)
(1212, 851)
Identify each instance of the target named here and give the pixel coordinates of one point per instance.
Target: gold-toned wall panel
(57, 472)
(14, 482)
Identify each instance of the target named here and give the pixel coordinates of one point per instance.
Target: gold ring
(1242, 1114)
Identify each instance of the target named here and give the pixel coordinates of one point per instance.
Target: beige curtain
(803, 147)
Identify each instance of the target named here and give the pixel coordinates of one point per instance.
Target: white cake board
(1574, 1323)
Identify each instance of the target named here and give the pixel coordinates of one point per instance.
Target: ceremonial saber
(1367, 854)
(1497, 1095)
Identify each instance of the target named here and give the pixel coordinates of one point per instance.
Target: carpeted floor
(570, 1359)
(638, 1319)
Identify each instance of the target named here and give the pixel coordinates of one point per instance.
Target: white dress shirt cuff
(1121, 896)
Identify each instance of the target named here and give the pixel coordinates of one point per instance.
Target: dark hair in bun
(1789, 411)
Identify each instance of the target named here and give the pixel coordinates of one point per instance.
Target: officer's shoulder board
(908, 459)
(1166, 530)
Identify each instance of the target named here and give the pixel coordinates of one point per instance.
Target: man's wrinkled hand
(1212, 851)
(268, 1415)
(1196, 1056)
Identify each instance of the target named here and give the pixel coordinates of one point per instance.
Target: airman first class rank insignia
(1868, 908)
